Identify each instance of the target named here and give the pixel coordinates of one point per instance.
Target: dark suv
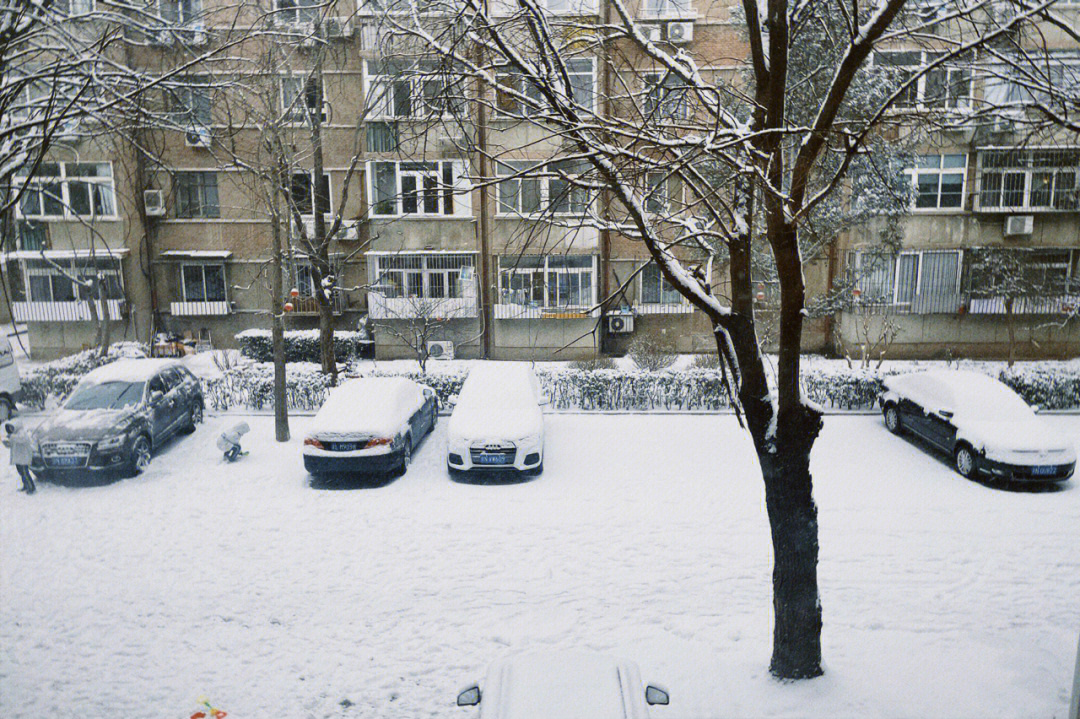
(116, 417)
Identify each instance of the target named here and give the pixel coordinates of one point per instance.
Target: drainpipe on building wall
(484, 227)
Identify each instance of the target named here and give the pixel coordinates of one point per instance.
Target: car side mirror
(156, 396)
(469, 697)
(655, 695)
(945, 413)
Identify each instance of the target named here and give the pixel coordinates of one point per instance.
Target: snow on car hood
(84, 425)
(1027, 435)
(379, 406)
(495, 422)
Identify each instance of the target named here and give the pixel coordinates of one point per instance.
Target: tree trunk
(321, 244)
(1010, 323)
(326, 337)
(277, 318)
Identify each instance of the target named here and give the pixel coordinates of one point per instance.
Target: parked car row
(373, 424)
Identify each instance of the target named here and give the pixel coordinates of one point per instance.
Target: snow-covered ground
(646, 536)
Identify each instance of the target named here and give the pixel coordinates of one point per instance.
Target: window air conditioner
(198, 137)
(440, 349)
(680, 32)
(154, 203)
(1019, 225)
(620, 323)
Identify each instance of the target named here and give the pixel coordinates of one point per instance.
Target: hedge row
(59, 377)
(301, 345)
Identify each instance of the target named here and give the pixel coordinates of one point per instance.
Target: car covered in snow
(567, 685)
(370, 425)
(985, 426)
(116, 417)
(10, 385)
(497, 423)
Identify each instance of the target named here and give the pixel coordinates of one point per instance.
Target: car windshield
(105, 395)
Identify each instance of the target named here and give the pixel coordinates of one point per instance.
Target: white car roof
(129, 370)
(959, 390)
(563, 684)
(369, 404)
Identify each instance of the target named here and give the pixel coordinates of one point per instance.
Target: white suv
(9, 379)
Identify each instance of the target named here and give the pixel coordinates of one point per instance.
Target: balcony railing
(75, 311)
(200, 308)
(1063, 304)
(381, 307)
(663, 308)
(530, 312)
(310, 305)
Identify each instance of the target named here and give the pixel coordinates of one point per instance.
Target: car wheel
(195, 417)
(892, 419)
(406, 456)
(965, 462)
(5, 409)
(140, 455)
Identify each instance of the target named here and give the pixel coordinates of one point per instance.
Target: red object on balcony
(288, 307)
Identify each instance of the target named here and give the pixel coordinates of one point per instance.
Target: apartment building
(473, 250)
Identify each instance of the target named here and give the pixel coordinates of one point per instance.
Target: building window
(189, 103)
(416, 188)
(412, 90)
(580, 71)
(939, 181)
(298, 12)
(427, 276)
(1021, 271)
(533, 188)
(667, 8)
(300, 99)
(657, 199)
(556, 281)
(203, 283)
(382, 137)
(947, 86)
(920, 282)
(52, 280)
(501, 8)
(655, 289)
(1042, 179)
(303, 195)
(197, 195)
(666, 96)
(180, 12)
(62, 190)
(1054, 80)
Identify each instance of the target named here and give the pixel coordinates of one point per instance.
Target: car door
(911, 414)
(177, 396)
(160, 407)
(940, 429)
(430, 409)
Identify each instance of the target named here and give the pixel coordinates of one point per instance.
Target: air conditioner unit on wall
(154, 203)
(620, 323)
(1019, 225)
(680, 32)
(440, 349)
(198, 137)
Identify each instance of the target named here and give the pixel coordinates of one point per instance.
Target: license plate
(492, 459)
(66, 461)
(1044, 470)
(345, 446)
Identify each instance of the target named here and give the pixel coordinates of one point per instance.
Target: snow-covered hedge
(1056, 389)
(59, 377)
(300, 345)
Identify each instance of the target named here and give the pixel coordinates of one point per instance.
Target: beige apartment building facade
(438, 243)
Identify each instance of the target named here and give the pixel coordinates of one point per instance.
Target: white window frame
(894, 289)
(188, 22)
(551, 292)
(517, 82)
(545, 178)
(297, 114)
(959, 103)
(64, 180)
(457, 194)
(916, 173)
(419, 282)
(668, 9)
(297, 12)
(201, 267)
(381, 92)
(664, 286)
(71, 266)
(314, 199)
(667, 108)
(502, 8)
(1028, 172)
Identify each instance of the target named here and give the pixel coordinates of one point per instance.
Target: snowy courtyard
(645, 537)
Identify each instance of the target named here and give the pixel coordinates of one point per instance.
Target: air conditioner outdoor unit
(338, 27)
(350, 230)
(620, 323)
(198, 137)
(680, 32)
(440, 349)
(154, 203)
(652, 32)
(1019, 225)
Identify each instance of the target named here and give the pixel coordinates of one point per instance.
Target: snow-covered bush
(690, 389)
(591, 365)
(652, 351)
(300, 345)
(59, 377)
(1050, 389)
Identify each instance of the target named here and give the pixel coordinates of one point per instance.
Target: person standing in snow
(22, 454)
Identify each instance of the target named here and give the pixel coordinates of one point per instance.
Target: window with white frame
(304, 197)
(417, 188)
(532, 188)
(1029, 179)
(657, 199)
(511, 85)
(298, 12)
(202, 282)
(300, 98)
(398, 89)
(1032, 271)
(197, 194)
(554, 7)
(655, 289)
(667, 8)
(1023, 83)
(424, 276)
(60, 190)
(189, 103)
(947, 86)
(666, 96)
(938, 181)
(68, 279)
(551, 281)
(923, 282)
(72, 8)
(179, 12)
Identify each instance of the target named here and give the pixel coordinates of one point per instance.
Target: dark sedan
(116, 417)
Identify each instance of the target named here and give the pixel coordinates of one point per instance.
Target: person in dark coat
(22, 454)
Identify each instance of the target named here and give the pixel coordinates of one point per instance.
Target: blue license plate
(1044, 470)
(345, 446)
(66, 461)
(492, 459)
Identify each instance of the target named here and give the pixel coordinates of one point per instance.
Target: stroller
(229, 441)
